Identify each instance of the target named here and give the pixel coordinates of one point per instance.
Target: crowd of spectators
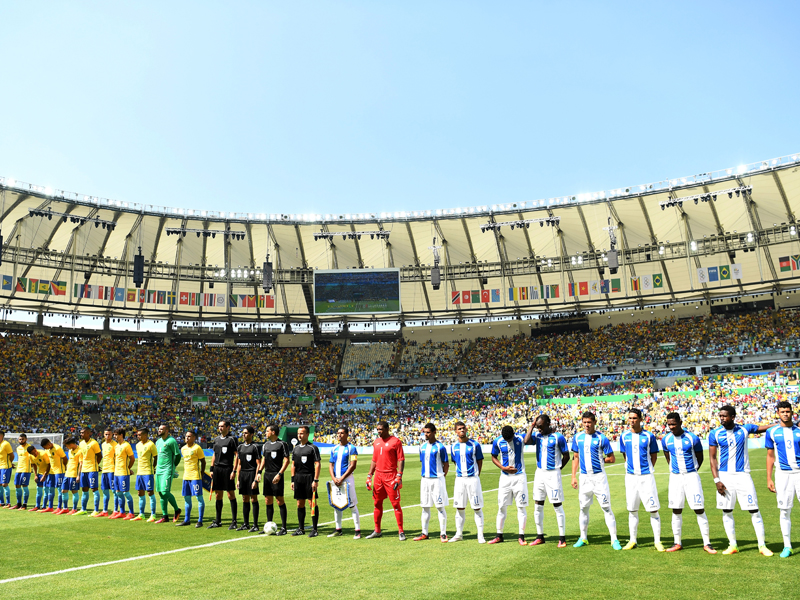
(431, 358)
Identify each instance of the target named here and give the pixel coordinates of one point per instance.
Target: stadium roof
(680, 237)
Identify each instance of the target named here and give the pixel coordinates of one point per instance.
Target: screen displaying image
(361, 291)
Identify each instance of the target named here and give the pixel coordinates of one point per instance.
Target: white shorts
(787, 485)
(641, 488)
(739, 486)
(547, 484)
(512, 485)
(686, 486)
(433, 492)
(351, 491)
(591, 486)
(468, 491)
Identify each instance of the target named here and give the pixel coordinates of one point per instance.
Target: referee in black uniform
(222, 473)
(248, 473)
(274, 462)
(305, 478)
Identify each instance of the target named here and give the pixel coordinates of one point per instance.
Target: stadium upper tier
(712, 235)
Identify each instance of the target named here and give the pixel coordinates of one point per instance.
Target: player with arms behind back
(433, 486)
(592, 451)
(783, 443)
(55, 475)
(145, 480)
(194, 466)
(91, 457)
(247, 465)
(551, 457)
(467, 456)
(341, 466)
(123, 462)
(388, 462)
(306, 463)
(224, 478)
(730, 465)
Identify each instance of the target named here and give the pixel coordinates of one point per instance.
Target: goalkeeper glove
(369, 482)
(398, 481)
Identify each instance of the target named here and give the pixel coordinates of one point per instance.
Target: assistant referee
(222, 474)
(305, 479)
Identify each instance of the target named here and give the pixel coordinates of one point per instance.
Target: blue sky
(371, 106)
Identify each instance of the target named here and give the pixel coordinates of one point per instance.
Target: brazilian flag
(725, 272)
(658, 281)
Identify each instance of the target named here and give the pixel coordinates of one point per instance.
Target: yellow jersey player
(107, 477)
(194, 466)
(71, 481)
(41, 463)
(22, 478)
(145, 481)
(55, 474)
(123, 461)
(6, 462)
(91, 457)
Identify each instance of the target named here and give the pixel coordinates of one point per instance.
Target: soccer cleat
(79, 513)
(214, 525)
(137, 518)
(24, 507)
(282, 531)
(709, 548)
(128, 516)
(561, 544)
(35, 509)
(115, 515)
(616, 545)
(357, 535)
(298, 531)
(481, 539)
(658, 546)
(497, 540)
(255, 529)
(537, 542)
(522, 541)
(177, 516)
(443, 538)
(731, 550)
(95, 513)
(234, 526)
(580, 543)
(162, 520)
(420, 538)
(47, 510)
(183, 524)
(786, 552)
(674, 548)
(764, 551)
(630, 545)
(103, 514)
(313, 533)
(374, 534)
(401, 536)
(16, 507)
(152, 519)
(73, 511)
(456, 538)
(336, 533)
(198, 525)
(245, 527)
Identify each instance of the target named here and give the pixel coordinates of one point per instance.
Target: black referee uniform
(304, 458)
(273, 454)
(249, 455)
(224, 451)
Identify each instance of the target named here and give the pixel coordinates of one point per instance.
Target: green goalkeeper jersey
(169, 455)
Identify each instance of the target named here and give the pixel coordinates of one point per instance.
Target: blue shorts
(192, 487)
(107, 481)
(144, 483)
(39, 481)
(122, 483)
(5, 476)
(22, 479)
(53, 480)
(89, 480)
(69, 484)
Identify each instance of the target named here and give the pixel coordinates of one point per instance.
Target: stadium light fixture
(706, 196)
(49, 214)
(519, 224)
(381, 234)
(236, 235)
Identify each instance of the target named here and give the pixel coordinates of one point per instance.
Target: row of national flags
(475, 296)
(789, 263)
(720, 273)
(34, 286)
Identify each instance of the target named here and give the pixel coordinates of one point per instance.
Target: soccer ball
(270, 528)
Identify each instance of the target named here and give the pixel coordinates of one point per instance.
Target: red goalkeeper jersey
(387, 453)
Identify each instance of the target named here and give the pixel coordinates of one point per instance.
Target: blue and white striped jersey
(637, 448)
(510, 453)
(549, 450)
(432, 457)
(786, 443)
(592, 451)
(732, 443)
(341, 457)
(465, 457)
(682, 451)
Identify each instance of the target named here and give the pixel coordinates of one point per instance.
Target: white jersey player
(507, 455)
(592, 451)
(551, 456)
(730, 465)
(640, 449)
(467, 456)
(684, 454)
(342, 465)
(783, 446)
(432, 485)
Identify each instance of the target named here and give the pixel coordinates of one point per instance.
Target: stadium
(200, 338)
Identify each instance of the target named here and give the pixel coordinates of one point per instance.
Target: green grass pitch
(387, 568)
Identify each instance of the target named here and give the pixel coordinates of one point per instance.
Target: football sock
(201, 508)
(63, 500)
(426, 519)
(255, 511)
(153, 504)
(284, 513)
(39, 496)
(702, 523)
(442, 521)
(246, 512)
(730, 527)
(187, 508)
(786, 527)
(538, 518)
(501, 518)
(677, 526)
(270, 512)
(75, 501)
(25, 495)
(356, 518)
(758, 525)
(655, 523)
(398, 513)
(5, 492)
(219, 511)
(522, 518)
(234, 509)
(97, 500)
(460, 522)
(301, 517)
(315, 519)
(18, 493)
(479, 522)
(129, 498)
(141, 505)
(611, 522)
(377, 515)
(84, 500)
(633, 524)
(561, 519)
(337, 519)
(106, 497)
(583, 522)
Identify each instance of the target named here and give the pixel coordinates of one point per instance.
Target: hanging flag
(658, 280)
(33, 286)
(795, 258)
(594, 287)
(151, 296)
(634, 284)
(615, 285)
(571, 289)
(724, 272)
(647, 282)
(736, 271)
(161, 297)
(234, 300)
(784, 263)
(22, 285)
(119, 294)
(131, 295)
(196, 299)
(702, 275)
(554, 291)
(583, 288)
(605, 287)
(7, 280)
(269, 301)
(485, 296)
(476, 296)
(221, 300)
(44, 286)
(170, 297)
(58, 288)
(209, 299)
(713, 274)
(533, 293)
(455, 297)
(496, 295)
(184, 298)
(523, 293)
(142, 296)
(251, 301)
